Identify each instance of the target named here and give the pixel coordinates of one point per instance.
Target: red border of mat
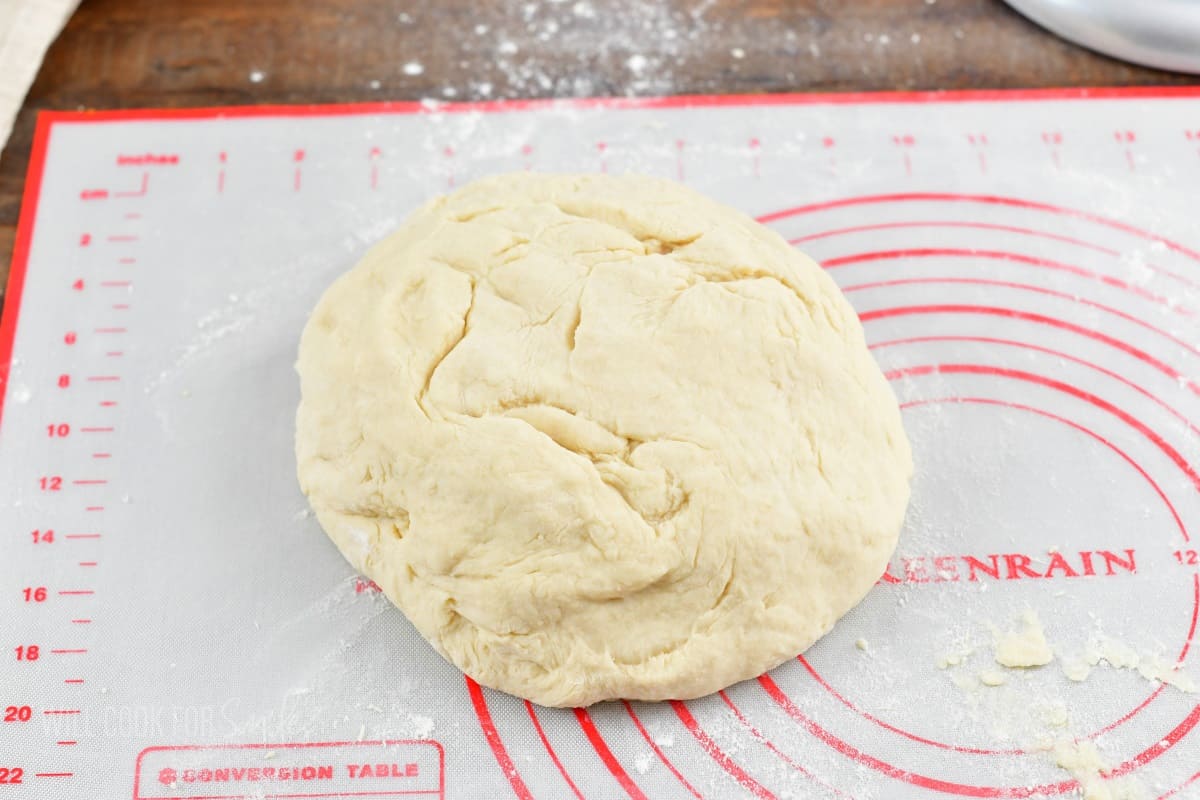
(48, 119)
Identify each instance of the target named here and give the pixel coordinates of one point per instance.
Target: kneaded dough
(600, 437)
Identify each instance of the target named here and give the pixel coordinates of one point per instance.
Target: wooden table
(131, 53)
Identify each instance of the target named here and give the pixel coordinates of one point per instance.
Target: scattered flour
(419, 725)
(1020, 714)
(1104, 650)
(1054, 714)
(1086, 765)
(563, 48)
(955, 657)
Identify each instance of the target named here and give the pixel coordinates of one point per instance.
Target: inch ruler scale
(1026, 266)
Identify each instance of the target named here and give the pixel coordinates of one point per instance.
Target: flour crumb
(1077, 670)
(738, 53)
(257, 76)
(1154, 668)
(1024, 648)
(1114, 653)
(422, 726)
(862, 644)
(665, 740)
(641, 763)
(269, 755)
(636, 63)
(1054, 715)
(992, 677)
(954, 658)
(413, 68)
(1085, 764)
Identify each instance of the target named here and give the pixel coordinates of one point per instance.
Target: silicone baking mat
(1026, 268)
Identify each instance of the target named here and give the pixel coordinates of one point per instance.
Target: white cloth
(27, 27)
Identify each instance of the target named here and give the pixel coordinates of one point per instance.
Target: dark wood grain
(138, 53)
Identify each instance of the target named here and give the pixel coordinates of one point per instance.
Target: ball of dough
(600, 437)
